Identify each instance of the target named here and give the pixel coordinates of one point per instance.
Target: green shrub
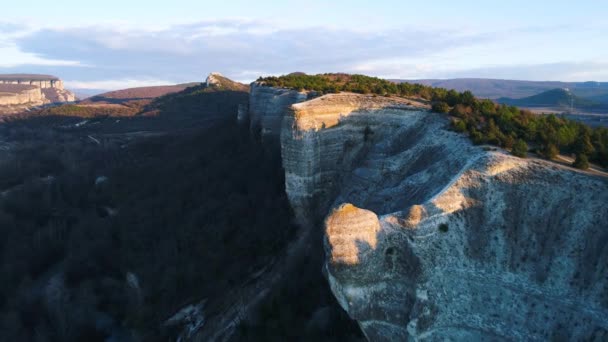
(550, 151)
(520, 149)
(581, 162)
(441, 107)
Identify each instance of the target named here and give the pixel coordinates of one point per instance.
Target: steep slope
(432, 238)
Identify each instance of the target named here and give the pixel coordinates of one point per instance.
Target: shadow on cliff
(115, 224)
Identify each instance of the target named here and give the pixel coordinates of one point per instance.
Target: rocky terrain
(430, 237)
(19, 92)
(347, 216)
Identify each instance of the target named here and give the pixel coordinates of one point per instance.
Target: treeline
(485, 121)
(521, 130)
(335, 83)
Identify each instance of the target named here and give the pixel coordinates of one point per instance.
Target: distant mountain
(554, 98)
(141, 93)
(496, 88)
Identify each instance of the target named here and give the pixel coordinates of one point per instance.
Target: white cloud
(12, 56)
(245, 49)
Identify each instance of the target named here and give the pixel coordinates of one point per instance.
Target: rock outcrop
(429, 237)
(19, 92)
(267, 106)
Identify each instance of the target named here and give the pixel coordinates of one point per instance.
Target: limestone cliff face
(429, 237)
(15, 95)
(267, 106)
(19, 92)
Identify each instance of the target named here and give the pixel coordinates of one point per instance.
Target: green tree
(520, 149)
(550, 151)
(581, 162)
(467, 98)
(583, 143)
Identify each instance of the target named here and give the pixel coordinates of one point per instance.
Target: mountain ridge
(495, 88)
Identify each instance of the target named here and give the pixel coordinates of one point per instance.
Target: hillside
(140, 101)
(555, 98)
(140, 93)
(496, 88)
(117, 224)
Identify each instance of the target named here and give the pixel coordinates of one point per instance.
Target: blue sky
(114, 44)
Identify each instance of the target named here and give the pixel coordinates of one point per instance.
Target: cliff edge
(430, 237)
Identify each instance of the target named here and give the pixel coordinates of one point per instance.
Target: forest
(111, 225)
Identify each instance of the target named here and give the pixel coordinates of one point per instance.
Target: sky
(115, 44)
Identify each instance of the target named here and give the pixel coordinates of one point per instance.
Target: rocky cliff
(267, 106)
(429, 237)
(19, 92)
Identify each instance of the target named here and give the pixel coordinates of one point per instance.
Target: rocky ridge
(430, 237)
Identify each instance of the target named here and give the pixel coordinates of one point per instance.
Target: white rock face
(20, 92)
(433, 238)
(267, 106)
(16, 95)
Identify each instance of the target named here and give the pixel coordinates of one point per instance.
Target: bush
(459, 126)
(520, 149)
(581, 162)
(550, 151)
(443, 227)
(441, 107)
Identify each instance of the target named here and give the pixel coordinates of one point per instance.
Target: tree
(467, 98)
(520, 149)
(550, 151)
(581, 162)
(583, 144)
(441, 107)
(453, 97)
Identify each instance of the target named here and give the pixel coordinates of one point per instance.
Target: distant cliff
(430, 237)
(19, 92)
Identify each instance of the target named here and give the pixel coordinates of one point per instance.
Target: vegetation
(105, 238)
(443, 227)
(520, 149)
(581, 162)
(440, 107)
(485, 121)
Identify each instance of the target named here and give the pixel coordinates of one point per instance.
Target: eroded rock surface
(433, 238)
(267, 106)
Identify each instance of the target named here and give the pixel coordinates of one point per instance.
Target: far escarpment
(428, 236)
(19, 92)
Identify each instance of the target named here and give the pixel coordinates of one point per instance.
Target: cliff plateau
(429, 237)
(19, 92)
